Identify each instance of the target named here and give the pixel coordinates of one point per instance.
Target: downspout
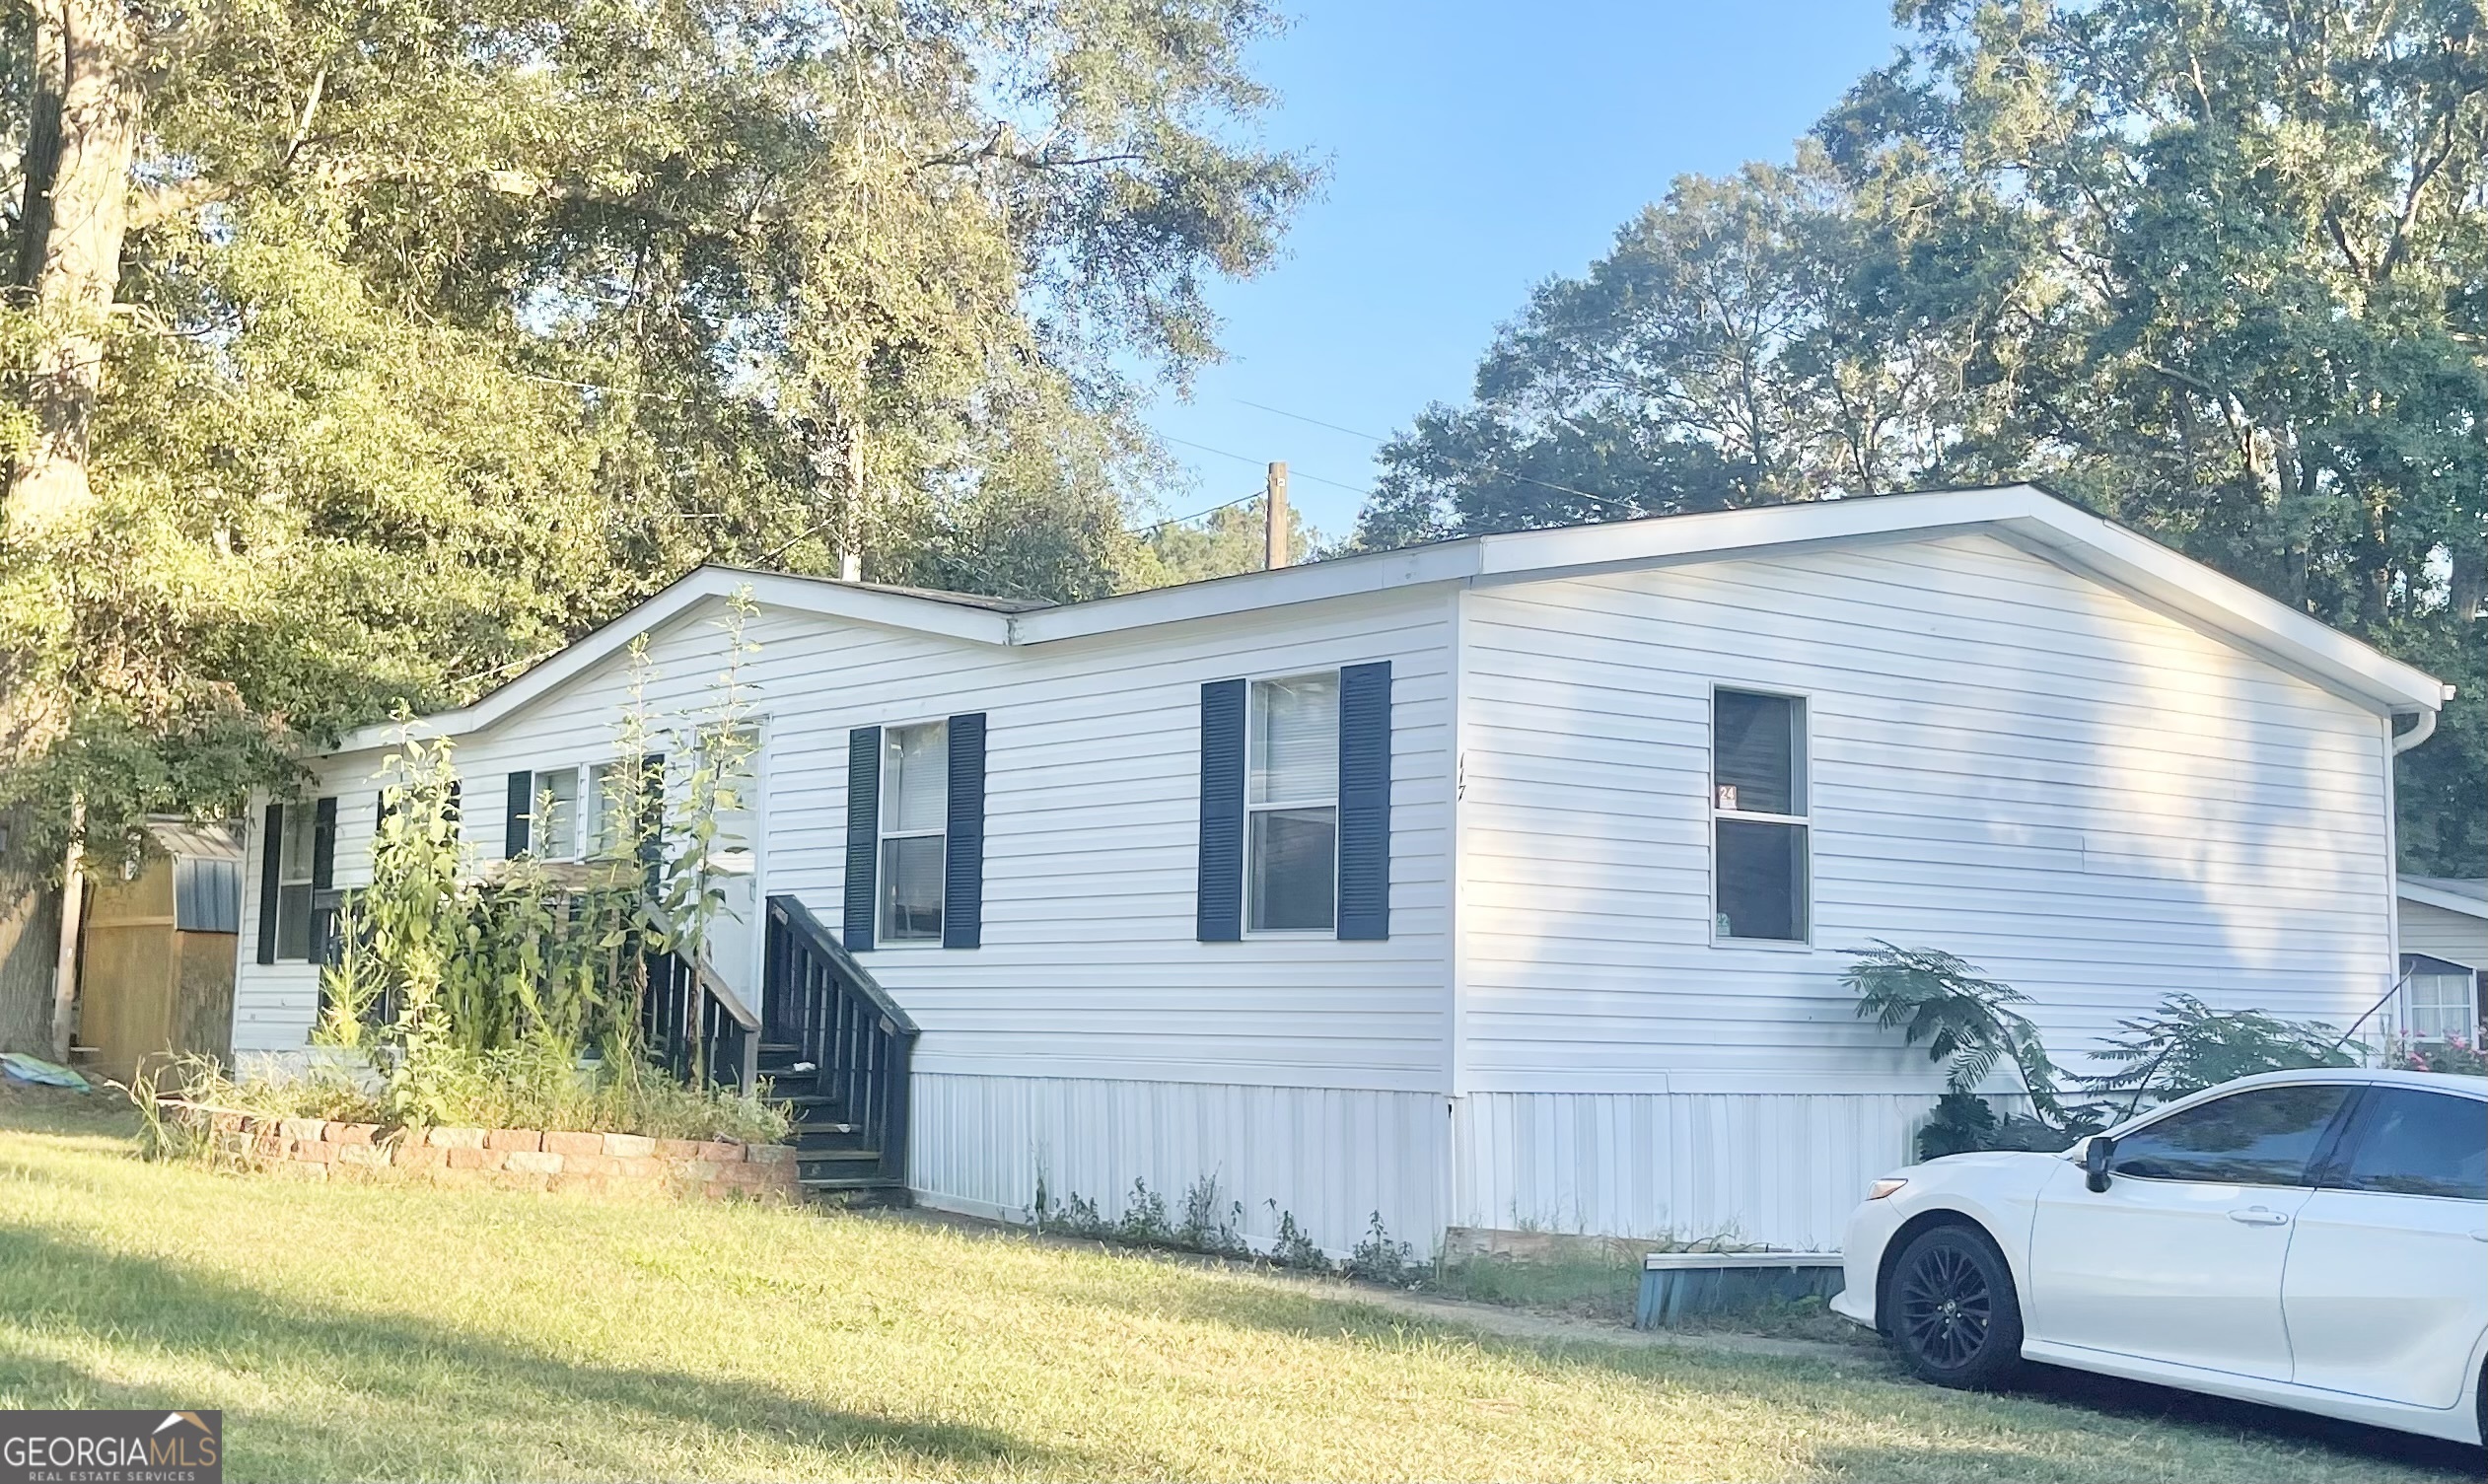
(2401, 741)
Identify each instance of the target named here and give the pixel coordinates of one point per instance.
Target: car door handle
(2480, 1234)
(2258, 1215)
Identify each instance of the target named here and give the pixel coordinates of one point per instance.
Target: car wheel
(1954, 1317)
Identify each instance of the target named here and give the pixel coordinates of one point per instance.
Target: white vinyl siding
(2440, 933)
(2001, 757)
(2092, 802)
(1089, 965)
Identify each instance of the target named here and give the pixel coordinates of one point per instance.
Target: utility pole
(1275, 506)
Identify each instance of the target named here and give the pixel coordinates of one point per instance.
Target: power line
(1196, 514)
(1352, 489)
(1609, 501)
(1302, 418)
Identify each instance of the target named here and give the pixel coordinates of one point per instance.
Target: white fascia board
(1315, 581)
(2024, 515)
(2028, 517)
(2436, 897)
(1744, 532)
(703, 585)
(2323, 654)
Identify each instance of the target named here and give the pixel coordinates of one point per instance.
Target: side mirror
(2094, 1161)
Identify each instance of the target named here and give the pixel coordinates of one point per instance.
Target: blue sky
(1474, 149)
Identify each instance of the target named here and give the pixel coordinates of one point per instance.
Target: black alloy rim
(1946, 1307)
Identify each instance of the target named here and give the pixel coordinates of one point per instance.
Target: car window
(2264, 1137)
(2414, 1142)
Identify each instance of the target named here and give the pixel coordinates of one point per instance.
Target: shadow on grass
(2114, 1396)
(2076, 1403)
(421, 1399)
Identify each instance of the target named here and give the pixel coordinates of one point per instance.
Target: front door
(2387, 1282)
(733, 862)
(2180, 1258)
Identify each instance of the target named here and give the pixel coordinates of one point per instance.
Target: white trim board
(2436, 896)
(2024, 515)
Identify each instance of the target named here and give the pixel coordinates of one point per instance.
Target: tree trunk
(2469, 586)
(82, 132)
(73, 903)
(29, 951)
(853, 525)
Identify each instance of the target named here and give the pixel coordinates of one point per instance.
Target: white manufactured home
(1504, 881)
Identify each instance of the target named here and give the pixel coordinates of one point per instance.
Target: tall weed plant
(528, 977)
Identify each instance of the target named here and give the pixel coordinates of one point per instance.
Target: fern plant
(2187, 1046)
(1964, 1019)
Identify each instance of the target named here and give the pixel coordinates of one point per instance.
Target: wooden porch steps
(836, 1050)
(833, 1164)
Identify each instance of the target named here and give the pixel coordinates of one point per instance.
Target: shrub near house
(495, 1025)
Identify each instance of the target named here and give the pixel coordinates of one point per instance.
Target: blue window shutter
(324, 879)
(514, 815)
(1365, 801)
(963, 855)
(271, 849)
(1221, 895)
(652, 816)
(864, 832)
(324, 845)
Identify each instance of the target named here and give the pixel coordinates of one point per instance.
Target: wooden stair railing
(842, 1050)
(683, 998)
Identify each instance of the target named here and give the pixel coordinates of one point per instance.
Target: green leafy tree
(1228, 540)
(2186, 1047)
(2216, 270)
(365, 352)
(1964, 1019)
(1741, 344)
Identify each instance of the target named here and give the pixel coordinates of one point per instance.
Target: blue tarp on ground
(16, 1066)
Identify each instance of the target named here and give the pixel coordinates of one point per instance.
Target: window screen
(1292, 800)
(915, 815)
(293, 883)
(2438, 1002)
(555, 807)
(2264, 1137)
(1760, 838)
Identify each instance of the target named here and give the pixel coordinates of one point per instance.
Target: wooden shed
(156, 953)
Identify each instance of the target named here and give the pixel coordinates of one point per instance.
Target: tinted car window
(2260, 1138)
(2413, 1143)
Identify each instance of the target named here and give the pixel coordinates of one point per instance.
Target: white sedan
(2310, 1240)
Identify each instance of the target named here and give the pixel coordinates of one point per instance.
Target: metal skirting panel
(1780, 1169)
(1332, 1158)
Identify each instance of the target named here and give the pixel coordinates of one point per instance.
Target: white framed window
(1292, 804)
(296, 850)
(553, 819)
(914, 831)
(1761, 852)
(609, 833)
(2440, 1000)
(735, 850)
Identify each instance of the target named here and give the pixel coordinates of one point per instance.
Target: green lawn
(358, 1331)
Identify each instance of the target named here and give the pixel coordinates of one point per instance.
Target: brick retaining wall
(518, 1159)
